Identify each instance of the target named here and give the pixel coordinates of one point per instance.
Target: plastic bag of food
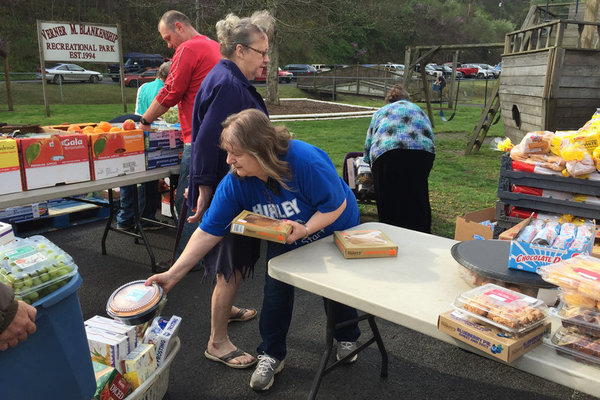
(537, 142)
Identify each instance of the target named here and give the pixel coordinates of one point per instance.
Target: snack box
(10, 167)
(163, 139)
(503, 308)
(48, 160)
(117, 153)
(139, 364)
(6, 234)
(490, 339)
(369, 243)
(34, 267)
(529, 256)
(258, 226)
(106, 347)
(166, 340)
(112, 325)
(110, 384)
(13, 215)
(469, 227)
(571, 342)
(163, 157)
(580, 274)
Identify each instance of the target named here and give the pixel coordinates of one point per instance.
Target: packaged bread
(507, 309)
(580, 273)
(537, 142)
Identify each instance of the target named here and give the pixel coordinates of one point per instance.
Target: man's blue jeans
(148, 203)
(184, 171)
(276, 313)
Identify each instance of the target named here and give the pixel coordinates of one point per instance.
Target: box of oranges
(114, 150)
(51, 159)
(10, 170)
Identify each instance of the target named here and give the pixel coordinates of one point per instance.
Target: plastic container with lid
(135, 303)
(572, 342)
(34, 267)
(585, 319)
(504, 308)
(580, 273)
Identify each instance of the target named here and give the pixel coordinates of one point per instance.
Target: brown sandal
(239, 316)
(225, 359)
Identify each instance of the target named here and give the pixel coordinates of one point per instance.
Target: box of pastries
(506, 309)
(579, 275)
(367, 243)
(258, 226)
(572, 342)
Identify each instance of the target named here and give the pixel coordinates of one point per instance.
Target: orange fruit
(115, 129)
(88, 129)
(74, 128)
(104, 125)
(98, 130)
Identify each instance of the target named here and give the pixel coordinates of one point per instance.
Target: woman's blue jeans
(276, 313)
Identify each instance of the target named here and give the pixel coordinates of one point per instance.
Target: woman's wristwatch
(144, 122)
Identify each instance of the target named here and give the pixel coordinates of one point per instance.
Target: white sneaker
(344, 349)
(264, 374)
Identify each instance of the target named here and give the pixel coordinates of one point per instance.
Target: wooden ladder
(487, 119)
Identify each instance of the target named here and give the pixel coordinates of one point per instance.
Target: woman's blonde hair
(251, 131)
(234, 30)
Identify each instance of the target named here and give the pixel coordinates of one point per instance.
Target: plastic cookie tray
(585, 319)
(570, 341)
(504, 308)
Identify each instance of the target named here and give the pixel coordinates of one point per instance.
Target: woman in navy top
(285, 179)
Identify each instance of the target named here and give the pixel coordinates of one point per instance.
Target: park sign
(80, 41)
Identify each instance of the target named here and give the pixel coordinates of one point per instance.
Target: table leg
(377, 337)
(327, 353)
(138, 224)
(111, 216)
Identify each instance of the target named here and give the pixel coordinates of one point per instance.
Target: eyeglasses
(262, 53)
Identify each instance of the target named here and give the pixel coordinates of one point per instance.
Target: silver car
(69, 72)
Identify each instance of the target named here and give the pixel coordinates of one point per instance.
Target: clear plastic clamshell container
(504, 308)
(580, 273)
(134, 303)
(570, 341)
(34, 267)
(583, 316)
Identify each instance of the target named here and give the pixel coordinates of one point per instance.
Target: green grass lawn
(458, 183)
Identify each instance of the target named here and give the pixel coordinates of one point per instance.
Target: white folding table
(411, 290)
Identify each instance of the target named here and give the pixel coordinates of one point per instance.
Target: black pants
(400, 177)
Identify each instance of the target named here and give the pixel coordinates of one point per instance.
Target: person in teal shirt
(149, 198)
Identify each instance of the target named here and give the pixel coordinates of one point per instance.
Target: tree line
(308, 31)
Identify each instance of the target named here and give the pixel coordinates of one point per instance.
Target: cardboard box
(139, 364)
(117, 153)
(166, 340)
(13, 215)
(369, 243)
(48, 160)
(163, 139)
(106, 347)
(112, 325)
(10, 167)
(469, 225)
(258, 226)
(490, 339)
(529, 256)
(6, 233)
(163, 157)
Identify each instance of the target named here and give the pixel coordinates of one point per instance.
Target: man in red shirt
(195, 55)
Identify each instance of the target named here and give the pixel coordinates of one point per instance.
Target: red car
(284, 76)
(137, 80)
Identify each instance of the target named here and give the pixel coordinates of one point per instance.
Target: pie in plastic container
(135, 303)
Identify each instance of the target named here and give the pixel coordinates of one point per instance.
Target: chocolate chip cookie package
(368, 243)
(506, 309)
(134, 303)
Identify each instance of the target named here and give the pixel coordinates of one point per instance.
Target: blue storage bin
(54, 362)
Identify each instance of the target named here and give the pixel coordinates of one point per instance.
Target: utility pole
(590, 15)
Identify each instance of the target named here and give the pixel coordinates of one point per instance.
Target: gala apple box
(117, 153)
(10, 171)
(49, 160)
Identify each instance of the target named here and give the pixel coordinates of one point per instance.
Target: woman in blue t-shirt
(286, 179)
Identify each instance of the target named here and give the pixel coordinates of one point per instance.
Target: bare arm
(153, 112)
(204, 197)
(199, 244)
(317, 222)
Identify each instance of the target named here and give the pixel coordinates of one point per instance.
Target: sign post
(77, 42)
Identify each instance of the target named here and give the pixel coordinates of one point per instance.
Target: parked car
(135, 63)
(69, 72)
(462, 71)
(300, 69)
(498, 68)
(484, 71)
(434, 69)
(284, 76)
(395, 68)
(321, 67)
(137, 80)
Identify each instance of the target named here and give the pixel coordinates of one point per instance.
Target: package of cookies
(570, 341)
(259, 226)
(364, 243)
(504, 308)
(579, 274)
